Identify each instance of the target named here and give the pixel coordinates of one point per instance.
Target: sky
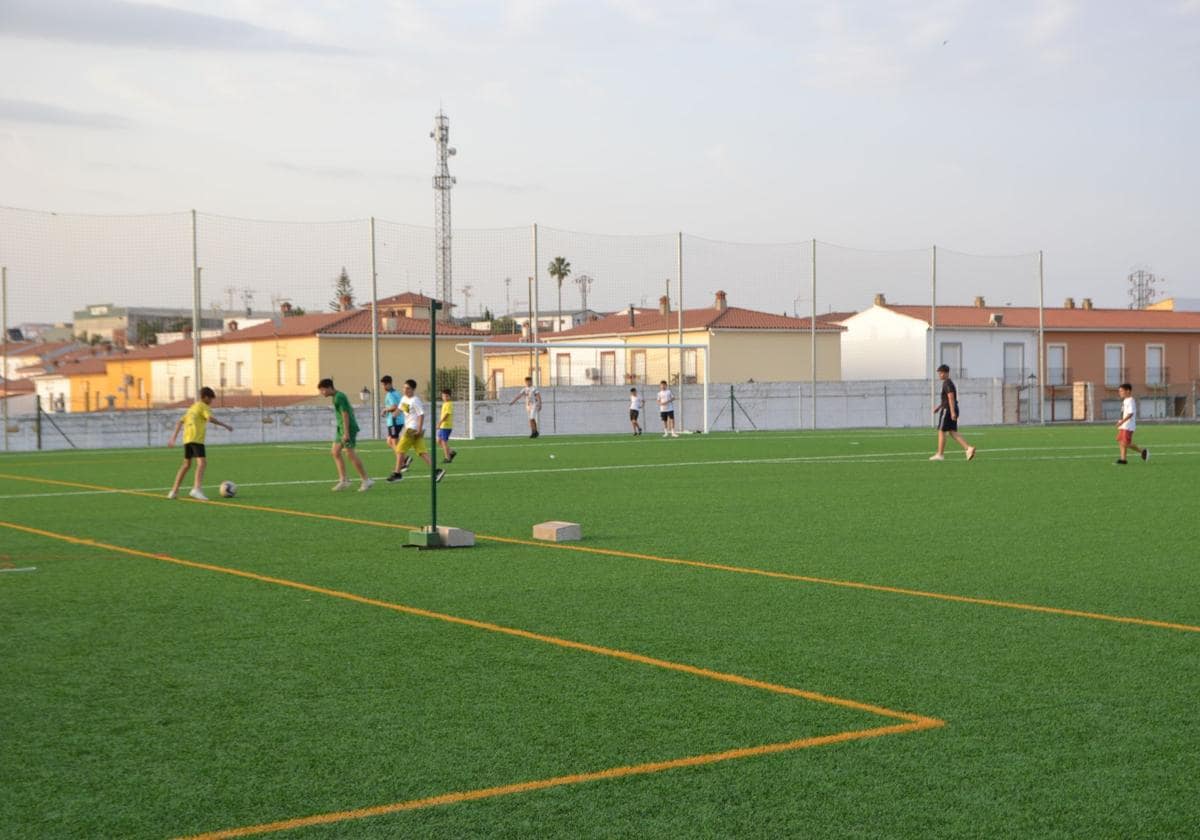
(1065, 127)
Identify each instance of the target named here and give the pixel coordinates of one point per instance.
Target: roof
(406, 299)
(1026, 317)
(35, 348)
(711, 318)
(16, 386)
(353, 322)
(255, 401)
(80, 367)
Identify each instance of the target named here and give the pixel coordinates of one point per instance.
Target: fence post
(148, 444)
(37, 418)
(732, 416)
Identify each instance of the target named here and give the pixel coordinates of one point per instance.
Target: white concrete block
(455, 537)
(558, 531)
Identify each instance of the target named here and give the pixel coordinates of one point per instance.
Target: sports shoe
(172, 495)
(1145, 454)
(341, 485)
(666, 434)
(439, 475)
(198, 494)
(1121, 461)
(453, 454)
(404, 467)
(674, 434)
(395, 477)
(536, 433)
(367, 484)
(970, 453)
(937, 457)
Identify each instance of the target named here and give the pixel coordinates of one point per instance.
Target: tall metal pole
(933, 362)
(4, 342)
(374, 339)
(533, 305)
(679, 307)
(443, 182)
(1041, 341)
(812, 334)
(197, 379)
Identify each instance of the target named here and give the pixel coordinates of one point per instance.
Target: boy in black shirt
(947, 412)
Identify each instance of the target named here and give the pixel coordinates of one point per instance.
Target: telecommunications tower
(443, 182)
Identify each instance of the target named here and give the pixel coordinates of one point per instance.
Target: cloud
(1051, 19)
(42, 113)
(117, 23)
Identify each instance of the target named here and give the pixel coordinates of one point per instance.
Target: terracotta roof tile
(1026, 317)
(732, 318)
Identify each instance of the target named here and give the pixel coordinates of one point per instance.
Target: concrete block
(455, 537)
(558, 531)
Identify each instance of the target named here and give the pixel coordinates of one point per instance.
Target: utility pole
(1141, 288)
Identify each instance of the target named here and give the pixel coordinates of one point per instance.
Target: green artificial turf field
(761, 635)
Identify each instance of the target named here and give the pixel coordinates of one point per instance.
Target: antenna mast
(443, 182)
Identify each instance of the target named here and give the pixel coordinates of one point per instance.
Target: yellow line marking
(676, 561)
(913, 722)
(559, 781)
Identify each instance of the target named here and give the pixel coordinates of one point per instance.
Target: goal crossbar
(473, 347)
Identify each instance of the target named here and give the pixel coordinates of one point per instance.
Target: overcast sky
(986, 127)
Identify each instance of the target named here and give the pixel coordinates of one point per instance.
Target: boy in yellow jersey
(446, 426)
(194, 424)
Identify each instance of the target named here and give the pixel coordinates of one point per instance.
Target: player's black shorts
(394, 432)
(946, 423)
(193, 450)
(666, 415)
(633, 414)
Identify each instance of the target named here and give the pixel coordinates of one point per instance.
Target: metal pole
(196, 361)
(1041, 342)
(374, 338)
(933, 331)
(705, 390)
(812, 334)
(732, 416)
(433, 395)
(682, 367)
(4, 342)
(37, 422)
(471, 390)
(533, 305)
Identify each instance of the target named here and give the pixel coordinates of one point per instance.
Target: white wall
(983, 350)
(50, 388)
(881, 344)
(211, 358)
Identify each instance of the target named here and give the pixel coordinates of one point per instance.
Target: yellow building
(742, 345)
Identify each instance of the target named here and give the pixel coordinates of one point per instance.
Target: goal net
(585, 387)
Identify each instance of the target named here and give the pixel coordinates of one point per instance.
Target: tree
(559, 268)
(294, 311)
(504, 326)
(487, 314)
(343, 293)
(146, 333)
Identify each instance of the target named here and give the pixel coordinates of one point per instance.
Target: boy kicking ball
(194, 424)
(1127, 425)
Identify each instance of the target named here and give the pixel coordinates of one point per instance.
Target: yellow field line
(913, 723)
(676, 561)
(559, 781)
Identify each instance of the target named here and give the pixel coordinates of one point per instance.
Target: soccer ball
(228, 489)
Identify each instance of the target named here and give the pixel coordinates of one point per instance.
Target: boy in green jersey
(345, 438)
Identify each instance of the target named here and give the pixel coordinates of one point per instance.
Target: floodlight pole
(679, 307)
(533, 306)
(812, 336)
(933, 356)
(197, 381)
(374, 339)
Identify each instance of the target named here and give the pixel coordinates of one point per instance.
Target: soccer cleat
(341, 485)
(666, 434)
(439, 475)
(453, 455)
(395, 477)
(937, 457)
(1121, 461)
(674, 434)
(367, 484)
(970, 453)
(1145, 454)
(172, 495)
(198, 495)
(535, 433)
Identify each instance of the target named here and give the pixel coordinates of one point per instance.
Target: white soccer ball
(228, 489)
(552, 456)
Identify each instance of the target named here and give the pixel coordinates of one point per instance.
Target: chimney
(233, 325)
(285, 307)
(996, 319)
(631, 315)
(187, 330)
(525, 331)
(880, 300)
(1069, 303)
(1087, 303)
(664, 305)
(720, 304)
(979, 302)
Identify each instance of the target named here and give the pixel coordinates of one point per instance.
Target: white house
(890, 341)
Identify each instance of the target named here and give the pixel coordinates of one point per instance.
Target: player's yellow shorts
(412, 442)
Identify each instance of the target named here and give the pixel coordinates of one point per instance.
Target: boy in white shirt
(666, 409)
(635, 410)
(412, 439)
(1127, 425)
(533, 404)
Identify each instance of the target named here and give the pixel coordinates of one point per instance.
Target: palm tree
(559, 268)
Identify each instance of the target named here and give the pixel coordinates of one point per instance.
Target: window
(171, 388)
(280, 372)
(637, 364)
(689, 366)
(302, 371)
(1156, 372)
(1114, 364)
(141, 383)
(187, 388)
(239, 374)
(608, 367)
(562, 369)
(1014, 363)
(1056, 364)
(951, 354)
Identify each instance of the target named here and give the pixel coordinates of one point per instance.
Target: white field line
(25, 569)
(867, 458)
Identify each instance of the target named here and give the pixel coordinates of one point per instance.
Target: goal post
(584, 385)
